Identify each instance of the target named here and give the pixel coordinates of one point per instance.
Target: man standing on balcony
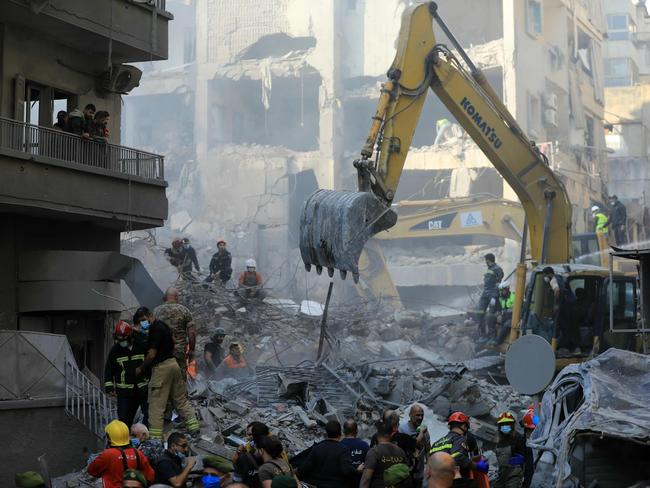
(82, 123)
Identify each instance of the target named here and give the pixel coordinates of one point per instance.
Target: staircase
(85, 401)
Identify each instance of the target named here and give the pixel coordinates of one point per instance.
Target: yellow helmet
(118, 433)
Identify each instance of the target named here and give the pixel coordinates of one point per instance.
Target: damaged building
(287, 88)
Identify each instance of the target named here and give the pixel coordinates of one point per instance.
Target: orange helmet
(506, 418)
(458, 417)
(221, 240)
(530, 420)
(123, 328)
(177, 242)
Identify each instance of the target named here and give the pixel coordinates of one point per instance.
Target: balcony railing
(95, 153)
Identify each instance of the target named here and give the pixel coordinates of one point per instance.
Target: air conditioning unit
(123, 79)
(550, 118)
(550, 101)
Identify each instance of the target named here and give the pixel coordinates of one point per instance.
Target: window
(620, 72)
(620, 27)
(534, 18)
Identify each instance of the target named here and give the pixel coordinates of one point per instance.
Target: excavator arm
(335, 225)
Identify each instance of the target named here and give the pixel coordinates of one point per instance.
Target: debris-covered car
(595, 424)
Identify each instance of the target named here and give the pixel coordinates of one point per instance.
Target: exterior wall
(32, 432)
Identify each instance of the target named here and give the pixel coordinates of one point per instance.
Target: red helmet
(221, 240)
(123, 328)
(177, 242)
(530, 419)
(458, 417)
(506, 418)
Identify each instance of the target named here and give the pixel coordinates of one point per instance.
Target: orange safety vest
(232, 364)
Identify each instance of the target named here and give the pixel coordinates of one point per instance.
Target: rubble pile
(375, 360)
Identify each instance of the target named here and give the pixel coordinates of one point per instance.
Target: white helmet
(595, 208)
(250, 263)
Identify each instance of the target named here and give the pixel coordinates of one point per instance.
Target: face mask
(124, 343)
(144, 325)
(135, 442)
(211, 481)
(505, 429)
(186, 246)
(547, 279)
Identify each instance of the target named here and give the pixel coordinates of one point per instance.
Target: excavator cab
(581, 326)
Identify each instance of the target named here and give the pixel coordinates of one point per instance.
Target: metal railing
(93, 152)
(86, 402)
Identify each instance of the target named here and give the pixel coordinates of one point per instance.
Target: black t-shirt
(217, 352)
(168, 467)
(160, 339)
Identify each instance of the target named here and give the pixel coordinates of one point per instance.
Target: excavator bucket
(335, 226)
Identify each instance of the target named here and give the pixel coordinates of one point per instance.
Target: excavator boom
(335, 225)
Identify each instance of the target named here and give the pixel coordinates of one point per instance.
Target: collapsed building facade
(284, 90)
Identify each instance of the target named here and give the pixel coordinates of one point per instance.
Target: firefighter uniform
(166, 383)
(120, 378)
(456, 445)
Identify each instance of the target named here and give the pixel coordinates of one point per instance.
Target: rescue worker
(601, 221)
(180, 321)
(213, 353)
(251, 282)
(118, 457)
(455, 443)
(499, 316)
(567, 332)
(618, 220)
(443, 131)
(510, 452)
(167, 382)
(234, 364)
(220, 264)
(120, 378)
(529, 423)
(491, 279)
(178, 258)
(191, 255)
(141, 327)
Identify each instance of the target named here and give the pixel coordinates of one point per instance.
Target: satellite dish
(530, 364)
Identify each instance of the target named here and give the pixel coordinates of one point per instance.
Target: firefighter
(119, 374)
(529, 423)
(511, 453)
(455, 443)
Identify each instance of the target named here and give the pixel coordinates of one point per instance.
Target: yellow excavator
(335, 225)
(449, 218)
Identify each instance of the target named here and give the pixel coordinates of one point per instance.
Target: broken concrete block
(217, 412)
(395, 349)
(303, 417)
(403, 391)
(390, 333)
(380, 385)
(206, 418)
(236, 407)
(441, 406)
(293, 389)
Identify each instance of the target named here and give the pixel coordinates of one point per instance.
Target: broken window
(534, 18)
(585, 53)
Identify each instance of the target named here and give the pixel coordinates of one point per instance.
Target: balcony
(44, 170)
(137, 30)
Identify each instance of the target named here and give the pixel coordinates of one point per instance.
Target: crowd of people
(89, 123)
(399, 455)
